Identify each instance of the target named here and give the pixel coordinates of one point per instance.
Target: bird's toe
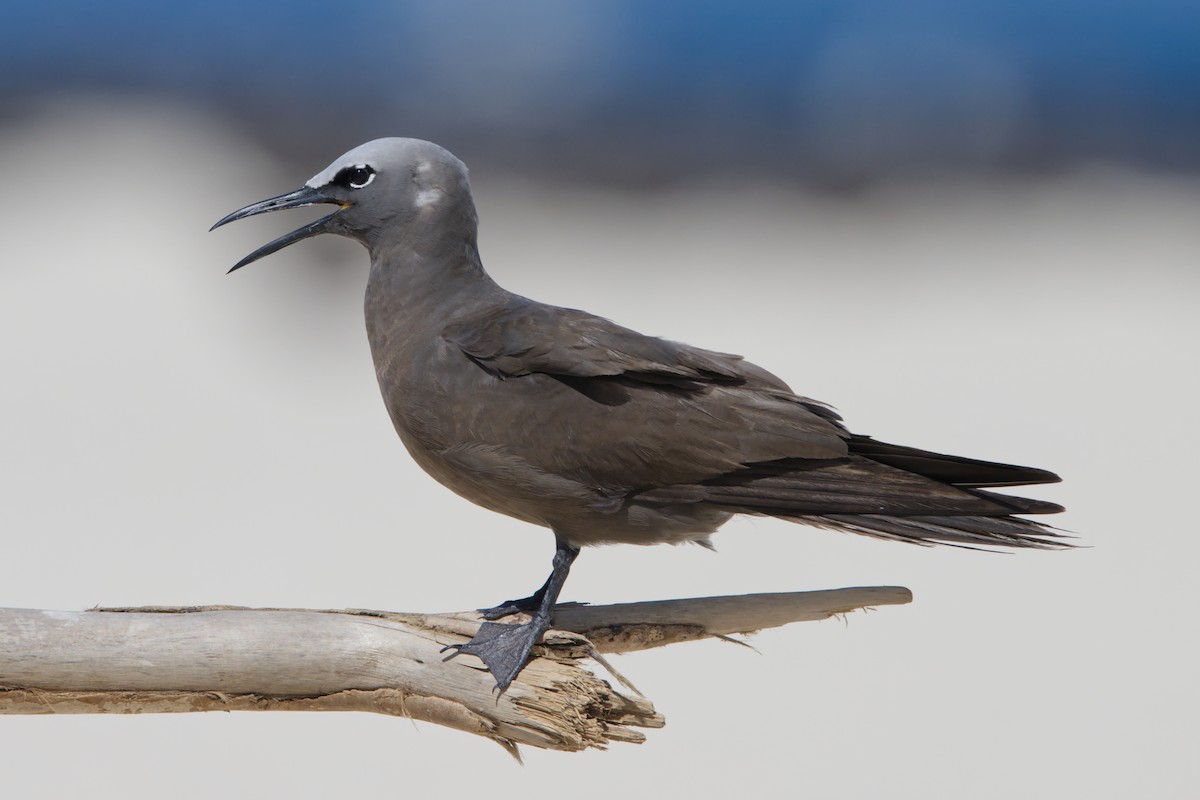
(526, 605)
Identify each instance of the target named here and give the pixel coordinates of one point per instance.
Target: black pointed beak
(305, 196)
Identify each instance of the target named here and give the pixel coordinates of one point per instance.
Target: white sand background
(170, 434)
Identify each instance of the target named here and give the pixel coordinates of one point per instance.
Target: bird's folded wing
(524, 338)
(659, 411)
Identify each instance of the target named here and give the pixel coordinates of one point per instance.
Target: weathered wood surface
(220, 658)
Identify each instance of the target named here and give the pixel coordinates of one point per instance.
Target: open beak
(305, 196)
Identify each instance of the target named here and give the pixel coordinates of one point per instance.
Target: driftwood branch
(221, 658)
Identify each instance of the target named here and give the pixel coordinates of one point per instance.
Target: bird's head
(384, 188)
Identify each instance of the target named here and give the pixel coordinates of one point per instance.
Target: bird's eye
(354, 177)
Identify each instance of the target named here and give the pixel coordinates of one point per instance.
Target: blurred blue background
(828, 92)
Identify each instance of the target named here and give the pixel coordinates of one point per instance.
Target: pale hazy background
(173, 435)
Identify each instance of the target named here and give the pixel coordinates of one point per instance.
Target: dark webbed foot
(504, 649)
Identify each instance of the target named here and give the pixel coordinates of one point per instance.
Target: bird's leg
(504, 648)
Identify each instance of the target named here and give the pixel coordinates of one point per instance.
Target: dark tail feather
(1020, 505)
(888, 492)
(971, 532)
(954, 470)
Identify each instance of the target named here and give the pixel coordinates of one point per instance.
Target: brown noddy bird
(599, 433)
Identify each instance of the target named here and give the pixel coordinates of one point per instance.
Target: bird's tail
(961, 531)
(889, 492)
(967, 474)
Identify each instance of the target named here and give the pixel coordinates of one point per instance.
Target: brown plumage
(600, 433)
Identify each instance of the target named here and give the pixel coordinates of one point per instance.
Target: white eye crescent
(355, 177)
